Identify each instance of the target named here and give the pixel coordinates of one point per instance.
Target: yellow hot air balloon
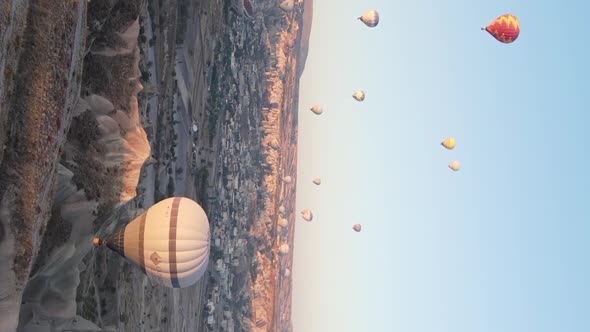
(317, 109)
(170, 242)
(370, 18)
(287, 179)
(455, 165)
(449, 143)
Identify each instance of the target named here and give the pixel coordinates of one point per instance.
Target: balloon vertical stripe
(141, 239)
(172, 243)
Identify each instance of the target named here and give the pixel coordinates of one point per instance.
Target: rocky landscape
(110, 106)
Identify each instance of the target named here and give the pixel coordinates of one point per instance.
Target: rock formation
(103, 148)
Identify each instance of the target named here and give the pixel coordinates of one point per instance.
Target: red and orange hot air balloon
(505, 28)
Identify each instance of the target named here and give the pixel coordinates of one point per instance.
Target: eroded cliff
(68, 160)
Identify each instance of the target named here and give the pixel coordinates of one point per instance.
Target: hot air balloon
(357, 227)
(283, 222)
(455, 165)
(169, 242)
(317, 109)
(449, 143)
(307, 215)
(287, 5)
(317, 181)
(505, 28)
(287, 272)
(370, 18)
(287, 179)
(281, 209)
(359, 95)
(284, 249)
(247, 8)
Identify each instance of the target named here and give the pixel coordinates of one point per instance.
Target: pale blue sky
(502, 245)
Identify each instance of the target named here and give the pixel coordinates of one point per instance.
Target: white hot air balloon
(287, 272)
(317, 109)
(357, 228)
(287, 179)
(317, 181)
(370, 18)
(359, 95)
(284, 249)
(287, 5)
(307, 215)
(170, 242)
(455, 165)
(283, 222)
(282, 209)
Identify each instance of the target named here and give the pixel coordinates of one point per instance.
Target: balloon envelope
(370, 18)
(506, 28)
(287, 5)
(359, 95)
(317, 181)
(284, 249)
(317, 109)
(283, 222)
(307, 215)
(357, 227)
(170, 242)
(287, 179)
(455, 165)
(449, 143)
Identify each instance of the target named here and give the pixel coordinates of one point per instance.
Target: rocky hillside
(40, 63)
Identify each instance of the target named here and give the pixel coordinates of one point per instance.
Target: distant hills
(305, 34)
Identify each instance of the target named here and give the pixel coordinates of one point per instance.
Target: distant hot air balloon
(357, 227)
(248, 8)
(287, 179)
(307, 215)
(505, 28)
(283, 222)
(370, 18)
(449, 143)
(169, 242)
(455, 165)
(317, 109)
(284, 249)
(281, 209)
(317, 181)
(359, 95)
(287, 5)
(287, 272)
